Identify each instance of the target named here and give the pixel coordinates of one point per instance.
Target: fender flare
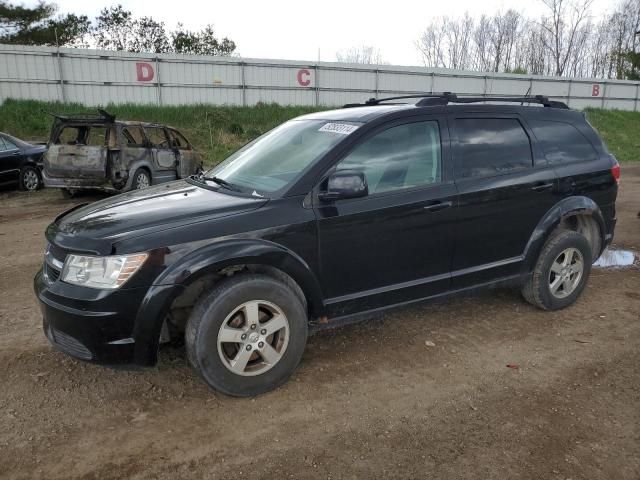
(210, 259)
(568, 207)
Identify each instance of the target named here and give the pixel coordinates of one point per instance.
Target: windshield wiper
(220, 181)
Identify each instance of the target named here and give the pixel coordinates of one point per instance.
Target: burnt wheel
(247, 336)
(141, 179)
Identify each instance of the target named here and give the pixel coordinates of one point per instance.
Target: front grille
(69, 345)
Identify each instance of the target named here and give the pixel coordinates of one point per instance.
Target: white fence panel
(95, 77)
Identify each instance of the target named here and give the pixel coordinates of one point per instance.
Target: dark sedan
(20, 163)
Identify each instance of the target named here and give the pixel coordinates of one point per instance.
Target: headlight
(101, 272)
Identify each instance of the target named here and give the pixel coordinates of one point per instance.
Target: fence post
(63, 95)
(604, 93)
(317, 67)
(433, 81)
(377, 82)
(244, 85)
(484, 87)
(158, 85)
(635, 103)
(569, 93)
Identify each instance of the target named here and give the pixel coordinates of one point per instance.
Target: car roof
(365, 114)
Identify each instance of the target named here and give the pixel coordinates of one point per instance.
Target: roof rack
(444, 98)
(86, 116)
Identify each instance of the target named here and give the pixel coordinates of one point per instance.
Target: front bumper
(94, 326)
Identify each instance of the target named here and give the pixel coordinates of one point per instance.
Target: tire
(560, 273)
(30, 179)
(141, 179)
(68, 193)
(223, 313)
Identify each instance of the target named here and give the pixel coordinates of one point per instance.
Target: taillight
(615, 171)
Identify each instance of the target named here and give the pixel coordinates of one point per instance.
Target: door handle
(15, 154)
(541, 187)
(434, 207)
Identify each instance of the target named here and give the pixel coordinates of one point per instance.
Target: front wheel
(561, 272)
(247, 336)
(141, 179)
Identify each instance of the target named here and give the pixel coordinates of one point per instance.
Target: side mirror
(345, 184)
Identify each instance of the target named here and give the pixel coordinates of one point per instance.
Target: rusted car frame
(96, 151)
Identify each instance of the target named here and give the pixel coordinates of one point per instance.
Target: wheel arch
(580, 214)
(145, 164)
(211, 264)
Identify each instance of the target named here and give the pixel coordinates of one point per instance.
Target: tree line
(569, 39)
(115, 28)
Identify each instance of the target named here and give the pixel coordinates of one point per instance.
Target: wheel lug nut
(248, 347)
(253, 327)
(263, 331)
(243, 336)
(261, 344)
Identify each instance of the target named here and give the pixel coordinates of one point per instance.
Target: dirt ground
(368, 401)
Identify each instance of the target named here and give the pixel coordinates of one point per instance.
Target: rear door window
(562, 142)
(491, 146)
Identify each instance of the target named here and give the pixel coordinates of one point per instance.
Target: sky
(302, 29)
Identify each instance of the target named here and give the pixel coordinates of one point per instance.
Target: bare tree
(563, 30)
(364, 54)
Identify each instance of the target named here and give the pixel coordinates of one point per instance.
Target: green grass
(620, 130)
(218, 131)
(213, 130)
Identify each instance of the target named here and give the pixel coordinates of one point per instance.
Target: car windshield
(275, 160)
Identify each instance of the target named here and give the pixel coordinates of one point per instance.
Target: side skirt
(316, 326)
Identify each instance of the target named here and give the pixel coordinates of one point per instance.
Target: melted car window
(157, 137)
(134, 136)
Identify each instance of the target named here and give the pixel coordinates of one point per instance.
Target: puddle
(615, 258)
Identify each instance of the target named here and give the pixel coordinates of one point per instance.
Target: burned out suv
(101, 153)
(327, 219)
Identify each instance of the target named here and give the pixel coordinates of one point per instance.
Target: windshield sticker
(341, 128)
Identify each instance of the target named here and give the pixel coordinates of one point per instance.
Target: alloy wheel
(30, 180)
(566, 273)
(253, 338)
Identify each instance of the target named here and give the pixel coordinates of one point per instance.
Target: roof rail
(85, 116)
(444, 98)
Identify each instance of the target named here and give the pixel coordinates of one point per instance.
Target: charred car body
(100, 152)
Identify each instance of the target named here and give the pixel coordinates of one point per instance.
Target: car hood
(97, 226)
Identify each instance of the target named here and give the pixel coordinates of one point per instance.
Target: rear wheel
(561, 272)
(141, 179)
(247, 336)
(30, 179)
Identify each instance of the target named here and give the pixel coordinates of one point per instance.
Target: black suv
(327, 219)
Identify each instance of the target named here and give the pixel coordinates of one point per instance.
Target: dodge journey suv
(327, 219)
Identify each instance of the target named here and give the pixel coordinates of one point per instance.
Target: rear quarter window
(562, 142)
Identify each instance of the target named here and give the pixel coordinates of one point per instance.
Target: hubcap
(253, 338)
(142, 181)
(566, 273)
(30, 180)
